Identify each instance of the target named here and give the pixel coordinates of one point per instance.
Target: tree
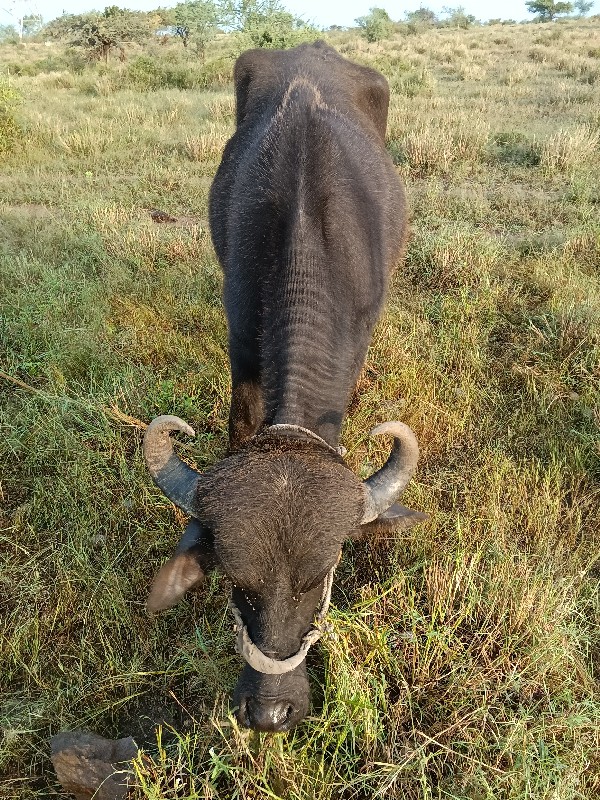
(423, 17)
(456, 17)
(582, 7)
(548, 10)
(8, 33)
(196, 20)
(32, 24)
(99, 34)
(14, 10)
(265, 23)
(376, 25)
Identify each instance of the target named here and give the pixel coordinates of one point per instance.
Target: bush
(72, 61)
(9, 128)
(148, 74)
(412, 82)
(422, 18)
(514, 147)
(456, 18)
(216, 73)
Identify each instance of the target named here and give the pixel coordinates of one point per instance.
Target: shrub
(72, 61)
(413, 82)
(216, 73)
(267, 24)
(456, 18)
(514, 147)
(148, 74)
(421, 18)
(278, 31)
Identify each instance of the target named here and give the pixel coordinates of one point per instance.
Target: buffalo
(308, 218)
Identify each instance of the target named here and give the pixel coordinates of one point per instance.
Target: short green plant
(145, 73)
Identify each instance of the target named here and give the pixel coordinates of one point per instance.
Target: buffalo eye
(251, 600)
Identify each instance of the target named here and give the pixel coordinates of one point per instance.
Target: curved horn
(384, 486)
(172, 475)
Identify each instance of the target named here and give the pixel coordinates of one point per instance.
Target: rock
(182, 221)
(92, 766)
(161, 216)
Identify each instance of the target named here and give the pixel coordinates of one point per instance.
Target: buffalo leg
(243, 308)
(246, 413)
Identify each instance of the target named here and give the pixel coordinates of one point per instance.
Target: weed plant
(465, 654)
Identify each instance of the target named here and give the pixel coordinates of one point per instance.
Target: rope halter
(246, 648)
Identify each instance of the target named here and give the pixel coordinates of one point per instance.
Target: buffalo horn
(172, 475)
(384, 486)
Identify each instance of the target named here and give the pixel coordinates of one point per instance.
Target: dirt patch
(141, 718)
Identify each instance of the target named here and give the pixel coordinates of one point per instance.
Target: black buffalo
(308, 218)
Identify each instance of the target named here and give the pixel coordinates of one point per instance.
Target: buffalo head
(273, 516)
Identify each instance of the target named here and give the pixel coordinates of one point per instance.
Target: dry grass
(208, 146)
(574, 147)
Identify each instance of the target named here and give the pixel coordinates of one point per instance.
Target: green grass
(465, 657)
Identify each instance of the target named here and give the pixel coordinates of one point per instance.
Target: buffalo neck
(307, 363)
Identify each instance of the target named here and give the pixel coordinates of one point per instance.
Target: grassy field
(466, 654)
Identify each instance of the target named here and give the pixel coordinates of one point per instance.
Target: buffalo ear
(172, 581)
(395, 518)
(193, 557)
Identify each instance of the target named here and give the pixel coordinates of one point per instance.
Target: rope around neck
(246, 648)
(285, 428)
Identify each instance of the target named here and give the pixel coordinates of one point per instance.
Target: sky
(322, 13)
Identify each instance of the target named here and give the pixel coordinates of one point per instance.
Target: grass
(464, 660)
